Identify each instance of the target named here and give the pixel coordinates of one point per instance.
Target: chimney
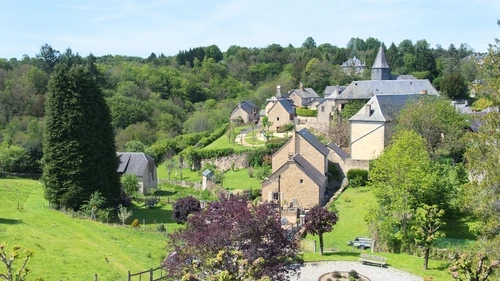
(290, 156)
(278, 89)
(368, 110)
(301, 86)
(423, 92)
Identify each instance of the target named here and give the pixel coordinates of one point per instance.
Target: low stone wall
(196, 185)
(224, 163)
(344, 165)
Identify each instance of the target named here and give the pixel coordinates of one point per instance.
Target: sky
(140, 27)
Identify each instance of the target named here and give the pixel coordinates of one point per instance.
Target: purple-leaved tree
(318, 221)
(183, 207)
(233, 224)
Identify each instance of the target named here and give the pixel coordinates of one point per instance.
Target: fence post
(144, 224)
(95, 277)
(128, 279)
(315, 246)
(151, 274)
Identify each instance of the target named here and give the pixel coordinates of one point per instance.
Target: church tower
(381, 70)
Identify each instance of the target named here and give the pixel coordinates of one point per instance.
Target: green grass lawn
(251, 140)
(239, 180)
(351, 224)
(223, 142)
(74, 249)
(187, 174)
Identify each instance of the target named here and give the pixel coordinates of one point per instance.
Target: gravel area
(312, 271)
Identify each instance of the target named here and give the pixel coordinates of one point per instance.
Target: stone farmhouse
(353, 65)
(299, 170)
(371, 127)
(246, 111)
(281, 112)
(141, 165)
(302, 96)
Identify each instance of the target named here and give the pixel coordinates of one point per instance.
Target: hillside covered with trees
(157, 98)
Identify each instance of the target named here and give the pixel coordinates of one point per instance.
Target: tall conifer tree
(79, 149)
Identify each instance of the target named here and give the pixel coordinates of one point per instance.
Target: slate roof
(315, 175)
(384, 108)
(404, 77)
(354, 62)
(381, 59)
(206, 172)
(368, 88)
(342, 154)
(305, 93)
(313, 141)
(133, 163)
(287, 105)
(309, 170)
(333, 91)
(247, 106)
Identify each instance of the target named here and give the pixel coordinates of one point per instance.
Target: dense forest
(157, 98)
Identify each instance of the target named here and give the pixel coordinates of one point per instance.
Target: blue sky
(139, 27)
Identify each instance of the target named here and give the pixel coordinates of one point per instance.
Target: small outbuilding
(141, 165)
(208, 180)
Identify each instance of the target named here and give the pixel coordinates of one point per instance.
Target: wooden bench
(369, 259)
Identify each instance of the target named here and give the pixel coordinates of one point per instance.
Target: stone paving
(312, 271)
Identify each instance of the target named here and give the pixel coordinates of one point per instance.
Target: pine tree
(79, 149)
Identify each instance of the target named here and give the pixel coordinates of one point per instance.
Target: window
(276, 195)
(301, 181)
(322, 109)
(277, 119)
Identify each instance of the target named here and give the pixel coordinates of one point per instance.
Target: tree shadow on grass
(10, 221)
(340, 254)
(151, 215)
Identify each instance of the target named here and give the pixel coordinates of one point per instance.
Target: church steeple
(381, 70)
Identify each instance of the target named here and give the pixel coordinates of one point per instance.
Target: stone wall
(224, 163)
(343, 166)
(321, 126)
(196, 185)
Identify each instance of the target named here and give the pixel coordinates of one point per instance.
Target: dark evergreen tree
(79, 149)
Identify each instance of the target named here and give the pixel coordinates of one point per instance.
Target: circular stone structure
(312, 271)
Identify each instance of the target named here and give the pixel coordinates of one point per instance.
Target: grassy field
(351, 208)
(75, 249)
(187, 174)
(239, 180)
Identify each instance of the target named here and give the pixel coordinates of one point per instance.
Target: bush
(353, 275)
(256, 193)
(161, 228)
(250, 172)
(306, 112)
(357, 177)
(336, 274)
(428, 278)
(263, 172)
(183, 207)
(256, 157)
(135, 223)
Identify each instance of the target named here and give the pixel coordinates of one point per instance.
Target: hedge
(306, 112)
(352, 174)
(213, 136)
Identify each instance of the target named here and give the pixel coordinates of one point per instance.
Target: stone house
(302, 96)
(141, 165)
(281, 112)
(299, 170)
(371, 127)
(354, 66)
(246, 111)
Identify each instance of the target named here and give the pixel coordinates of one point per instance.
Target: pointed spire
(381, 59)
